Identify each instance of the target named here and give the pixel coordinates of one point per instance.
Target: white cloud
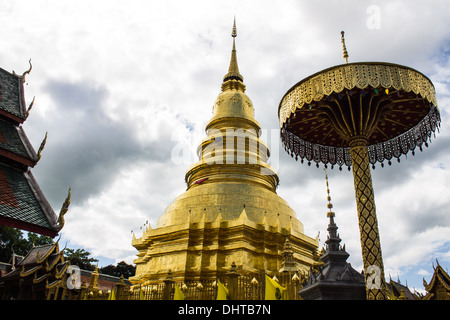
(148, 71)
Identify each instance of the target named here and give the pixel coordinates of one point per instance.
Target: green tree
(80, 258)
(13, 240)
(122, 268)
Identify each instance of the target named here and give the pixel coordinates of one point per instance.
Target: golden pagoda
(230, 212)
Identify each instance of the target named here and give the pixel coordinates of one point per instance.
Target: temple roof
(14, 144)
(12, 102)
(33, 261)
(22, 203)
(396, 289)
(38, 254)
(439, 285)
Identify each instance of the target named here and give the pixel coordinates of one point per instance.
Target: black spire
(335, 279)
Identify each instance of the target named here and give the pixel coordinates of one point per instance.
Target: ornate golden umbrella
(354, 115)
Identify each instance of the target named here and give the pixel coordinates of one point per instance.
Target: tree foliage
(12, 240)
(122, 268)
(80, 258)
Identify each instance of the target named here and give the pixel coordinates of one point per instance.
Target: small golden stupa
(230, 212)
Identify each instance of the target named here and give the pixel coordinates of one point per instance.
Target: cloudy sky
(121, 88)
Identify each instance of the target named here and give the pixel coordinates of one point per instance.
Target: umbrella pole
(368, 226)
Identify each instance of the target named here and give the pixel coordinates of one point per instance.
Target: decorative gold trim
(64, 209)
(367, 218)
(29, 108)
(354, 75)
(25, 273)
(25, 73)
(41, 148)
(387, 150)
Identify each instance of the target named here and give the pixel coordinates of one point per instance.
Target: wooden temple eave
(53, 260)
(446, 285)
(25, 273)
(443, 281)
(429, 296)
(440, 281)
(430, 285)
(37, 280)
(438, 277)
(61, 269)
(40, 259)
(18, 158)
(53, 284)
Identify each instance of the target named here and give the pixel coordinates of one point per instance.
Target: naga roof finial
(38, 157)
(329, 205)
(25, 73)
(29, 108)
(64, 209)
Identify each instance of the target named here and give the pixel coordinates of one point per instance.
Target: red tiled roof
(22, 203)
(12, 101)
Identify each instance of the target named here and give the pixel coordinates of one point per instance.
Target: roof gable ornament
(25, 73)
(29, 108)
(64, 209)
(41, 148)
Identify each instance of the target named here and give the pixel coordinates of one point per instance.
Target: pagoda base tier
(206, 250)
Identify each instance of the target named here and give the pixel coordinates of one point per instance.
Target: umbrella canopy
(358, 114)
(392, 107)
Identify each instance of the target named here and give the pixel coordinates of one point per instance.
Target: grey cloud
(85, 147)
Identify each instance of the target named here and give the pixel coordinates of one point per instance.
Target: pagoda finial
(234, 32)
(333, 239)
(343, 47)
(329, 205)
(233, 70)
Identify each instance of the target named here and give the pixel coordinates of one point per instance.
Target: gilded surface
(354, 75)
(368, 225)
(230, 212)
(357, 114)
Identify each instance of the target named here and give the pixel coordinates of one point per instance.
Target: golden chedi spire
(233, 70)
(232, 149)
(229, 188)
